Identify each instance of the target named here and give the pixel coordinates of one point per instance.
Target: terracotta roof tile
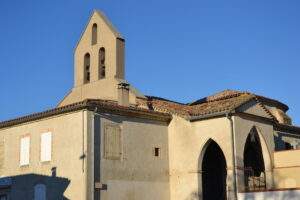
(224, 101)
(92, 105)
(158, 108)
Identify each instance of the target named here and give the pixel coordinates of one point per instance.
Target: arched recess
(40, 192)
(257, 161)
(212, 179)
(94, 34)
(86, 68)
(101, 67)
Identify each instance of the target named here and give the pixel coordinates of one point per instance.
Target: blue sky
(181, 50)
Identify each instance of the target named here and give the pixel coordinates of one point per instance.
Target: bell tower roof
(98, 13)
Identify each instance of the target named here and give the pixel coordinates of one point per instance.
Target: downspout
(97, 187)
(229, 117)
(83, 141)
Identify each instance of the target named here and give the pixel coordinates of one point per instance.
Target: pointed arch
(94, 34)
(212, 179)
(257, 160)
(101, 63)
(86, 68)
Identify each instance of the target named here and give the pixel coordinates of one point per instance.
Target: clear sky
(181, 50)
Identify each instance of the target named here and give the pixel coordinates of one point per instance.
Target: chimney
(123, 94)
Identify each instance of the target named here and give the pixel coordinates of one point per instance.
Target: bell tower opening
(94, 34)
(87, 66)
(101, 63)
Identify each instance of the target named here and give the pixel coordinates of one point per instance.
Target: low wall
(290, 194)
(286, 158)
(287, 169)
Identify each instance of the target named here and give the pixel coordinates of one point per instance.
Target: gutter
(207, 116)
(98, 186)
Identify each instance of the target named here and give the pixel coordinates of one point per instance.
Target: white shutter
(46, 143)
(24, 151)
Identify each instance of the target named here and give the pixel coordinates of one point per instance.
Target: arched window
(40, 192)
(94, 34)
(87, 63)
(102, 63)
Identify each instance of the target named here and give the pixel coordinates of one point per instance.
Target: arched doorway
(40, 192)
(214, 173)
(254, 168)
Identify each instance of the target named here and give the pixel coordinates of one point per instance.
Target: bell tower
(99, 54)
(99, 63)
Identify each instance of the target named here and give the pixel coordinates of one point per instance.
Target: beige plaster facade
(68, 133)
(105, 149)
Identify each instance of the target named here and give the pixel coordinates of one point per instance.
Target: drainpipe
(97, 185)
(229, 117)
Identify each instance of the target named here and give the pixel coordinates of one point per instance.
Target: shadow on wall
(26, 187)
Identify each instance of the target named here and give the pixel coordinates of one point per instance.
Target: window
(87, 62)
(40, 192)
(102, 63)
(24, 150)
(94, 34)
(156, 152)
(46, 144)
(112, 142)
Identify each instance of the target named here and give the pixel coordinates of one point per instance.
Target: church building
(105, 140)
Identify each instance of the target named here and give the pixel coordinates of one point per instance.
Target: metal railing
(254, 182)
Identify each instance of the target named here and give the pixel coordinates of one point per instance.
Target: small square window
(156, 152)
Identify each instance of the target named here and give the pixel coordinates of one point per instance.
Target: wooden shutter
(46, 144)
(24, 151)
(112, 142)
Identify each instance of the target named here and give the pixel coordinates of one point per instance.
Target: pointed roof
(106, 21)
